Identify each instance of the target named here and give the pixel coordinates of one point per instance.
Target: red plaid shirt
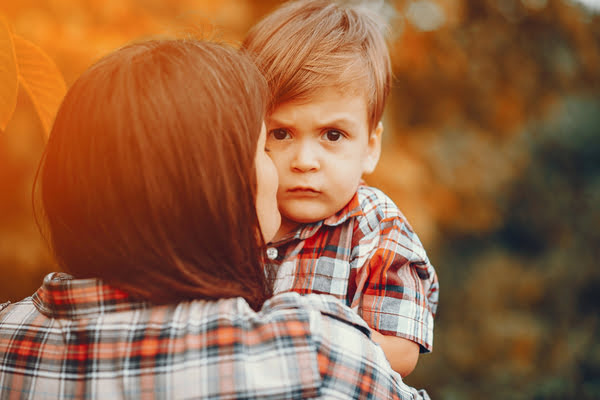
(76, 339)
(368, 256)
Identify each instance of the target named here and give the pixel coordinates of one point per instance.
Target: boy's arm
(396, 287)
(402, 354)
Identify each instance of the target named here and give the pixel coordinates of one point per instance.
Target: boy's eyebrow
(335, 121)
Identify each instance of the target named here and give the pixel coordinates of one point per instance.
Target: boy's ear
(373, 149)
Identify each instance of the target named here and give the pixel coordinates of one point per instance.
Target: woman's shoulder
(325, 306)
(13, 315)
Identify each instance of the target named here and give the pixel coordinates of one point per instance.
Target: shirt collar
(61, 296)
(305, 231)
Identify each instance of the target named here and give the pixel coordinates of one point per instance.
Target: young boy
(329, 73)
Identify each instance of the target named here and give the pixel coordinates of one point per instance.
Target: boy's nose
(305, 158)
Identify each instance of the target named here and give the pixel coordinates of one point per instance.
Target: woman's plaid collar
(62, 296)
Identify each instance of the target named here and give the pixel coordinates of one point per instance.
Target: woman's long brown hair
(148, 180)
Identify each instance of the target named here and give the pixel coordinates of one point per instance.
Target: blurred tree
(521, 314)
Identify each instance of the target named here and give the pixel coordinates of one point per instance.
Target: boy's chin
(290, 220)
(306, 216)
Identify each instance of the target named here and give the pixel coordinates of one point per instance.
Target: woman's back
(84, 339)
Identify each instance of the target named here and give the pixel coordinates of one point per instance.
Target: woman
(158, 197)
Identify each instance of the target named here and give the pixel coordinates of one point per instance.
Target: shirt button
(272, 253)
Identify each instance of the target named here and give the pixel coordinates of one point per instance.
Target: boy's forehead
(337, 92)
(330, 95)
(327, 106)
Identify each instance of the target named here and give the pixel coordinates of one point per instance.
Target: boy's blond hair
(307, 45)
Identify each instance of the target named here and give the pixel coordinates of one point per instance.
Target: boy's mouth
(303, 191)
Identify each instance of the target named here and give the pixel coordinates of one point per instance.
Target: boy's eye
(332, 135)
(279, 134)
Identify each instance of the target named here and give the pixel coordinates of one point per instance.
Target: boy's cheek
(274, 147)
(278, 158)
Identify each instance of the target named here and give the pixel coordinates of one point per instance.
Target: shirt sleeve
(396, 285)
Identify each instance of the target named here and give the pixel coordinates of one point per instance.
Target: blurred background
(491, 149)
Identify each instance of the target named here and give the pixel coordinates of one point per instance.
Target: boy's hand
(402, 354)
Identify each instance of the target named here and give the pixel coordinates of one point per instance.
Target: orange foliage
(41, 79)
(8, 75)
(26, 64)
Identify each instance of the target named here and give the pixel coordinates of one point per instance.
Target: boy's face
(321, 148)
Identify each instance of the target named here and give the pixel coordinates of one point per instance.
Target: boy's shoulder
(370, 210)
(367, 202)
(373, 200)
(374, 206)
